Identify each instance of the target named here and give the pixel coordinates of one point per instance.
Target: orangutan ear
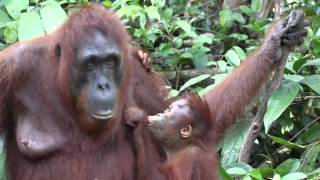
(186, 132)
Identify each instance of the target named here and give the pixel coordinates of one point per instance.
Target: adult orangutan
(63, 97)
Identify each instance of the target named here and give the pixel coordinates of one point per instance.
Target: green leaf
(158, 3)
(225, 17)
(294, 176)
(310, 135)
(293, 77)
(288, 166)
(107, 3)
(286, 143)
(313, 82)
(204, 39)
(256, 5)
(276, 177)
(167, 15)
(314, 174)
(30, 26)
(233, 58)
(309, 158)
(153, 13)
(186, 55)
(143, 21)
(223, 174)
(194, 80)
(222, 65)
(52, 16)
(279, 101)
(14, 7)
(255, 173)
(233, 141)
(236, 171)
(240, 52)
(315, 62)
(174, 93)
(200, 59)
(246, 10)
(11, 32)
(238, 17)
(4, 18)
(186, 27)
(217, 79)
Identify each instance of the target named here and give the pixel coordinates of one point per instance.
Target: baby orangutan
(183, 134)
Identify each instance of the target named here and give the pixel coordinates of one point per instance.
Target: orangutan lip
(102, 116)
(150, 121)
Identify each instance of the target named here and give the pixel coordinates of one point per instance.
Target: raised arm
(229, 98)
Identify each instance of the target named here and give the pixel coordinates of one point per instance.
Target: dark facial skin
(171, 123)
(96, 75)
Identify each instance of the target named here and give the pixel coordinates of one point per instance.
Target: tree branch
(257, 121)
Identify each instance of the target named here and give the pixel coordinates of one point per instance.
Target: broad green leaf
(203, 39)
(52, 16)
(315, 62)
(246, 10)
(194, 80)
(310, 135)
(309, 158)
(256, 5)
(236, 171)
(314, 174)
(222, 66)
(240, 52)
(255, 173)
(11, 32)
(158, 3)
(279, 101)
(132, 11)
(288, 166)
(143, 21)
(313, 82)
(206, 89)
(238, 17)
(225, 17)
(200, 59)
(30, 26)
(294, 77)
(276, 177)
(4, 18)
(318, 32)
(2, 159)
(153, 12)
(294, 176)
(174, 93)
(217, 79)
(14, 7)
(223, 174)
(286, 143)
(186, 55)
(233, 141)
(167, 16)
(186, 27)
(233, 58)
(107, 3)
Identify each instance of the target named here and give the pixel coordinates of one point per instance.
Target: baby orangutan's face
(172, 120)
